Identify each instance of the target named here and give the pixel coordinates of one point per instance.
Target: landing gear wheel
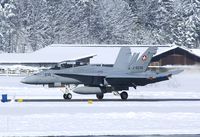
(124, 95)
(67, 96)
(100, 96)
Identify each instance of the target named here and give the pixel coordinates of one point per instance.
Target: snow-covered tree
(187, 32)
(7, 25)
(27, 25)
(118, 21)
(33, 24)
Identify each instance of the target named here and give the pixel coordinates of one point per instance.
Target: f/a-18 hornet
(129, 70)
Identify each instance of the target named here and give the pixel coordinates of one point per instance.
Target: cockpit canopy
(68, 64)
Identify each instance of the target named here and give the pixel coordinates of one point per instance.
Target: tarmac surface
(106, 100)
(180, 135)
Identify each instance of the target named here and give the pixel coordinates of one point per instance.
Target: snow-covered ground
(102, 118)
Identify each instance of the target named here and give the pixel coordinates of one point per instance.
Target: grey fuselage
(90, 75)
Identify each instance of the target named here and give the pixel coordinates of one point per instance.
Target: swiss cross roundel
(144, 58)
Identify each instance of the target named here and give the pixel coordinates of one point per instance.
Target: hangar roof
(104, 54)
(192, 51)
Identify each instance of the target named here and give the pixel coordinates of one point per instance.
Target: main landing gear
(67, 96)
(100, 96)
(124, 95)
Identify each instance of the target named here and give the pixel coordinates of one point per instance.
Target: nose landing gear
(67, 95)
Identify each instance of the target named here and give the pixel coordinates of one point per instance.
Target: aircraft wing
(117, 79)
(163, 74)
(147, 76)
(80, 74)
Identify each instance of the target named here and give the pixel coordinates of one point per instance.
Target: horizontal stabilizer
(175, 72)
(170, 73)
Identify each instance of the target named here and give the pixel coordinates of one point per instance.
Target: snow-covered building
(177, 56)
(97, 54)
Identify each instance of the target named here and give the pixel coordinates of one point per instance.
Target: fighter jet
(129, 70)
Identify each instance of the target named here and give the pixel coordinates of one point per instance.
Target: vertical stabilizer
(143, 61)
(133, 60)
(123, 58)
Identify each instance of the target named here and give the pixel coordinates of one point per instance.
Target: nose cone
(24, 80)
(28, 80)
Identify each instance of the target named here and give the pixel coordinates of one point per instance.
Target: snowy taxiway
(102, 118)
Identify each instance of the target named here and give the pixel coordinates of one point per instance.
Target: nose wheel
(124, 95)
(67, 96)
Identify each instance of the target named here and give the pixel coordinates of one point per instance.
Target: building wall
(176, 59)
